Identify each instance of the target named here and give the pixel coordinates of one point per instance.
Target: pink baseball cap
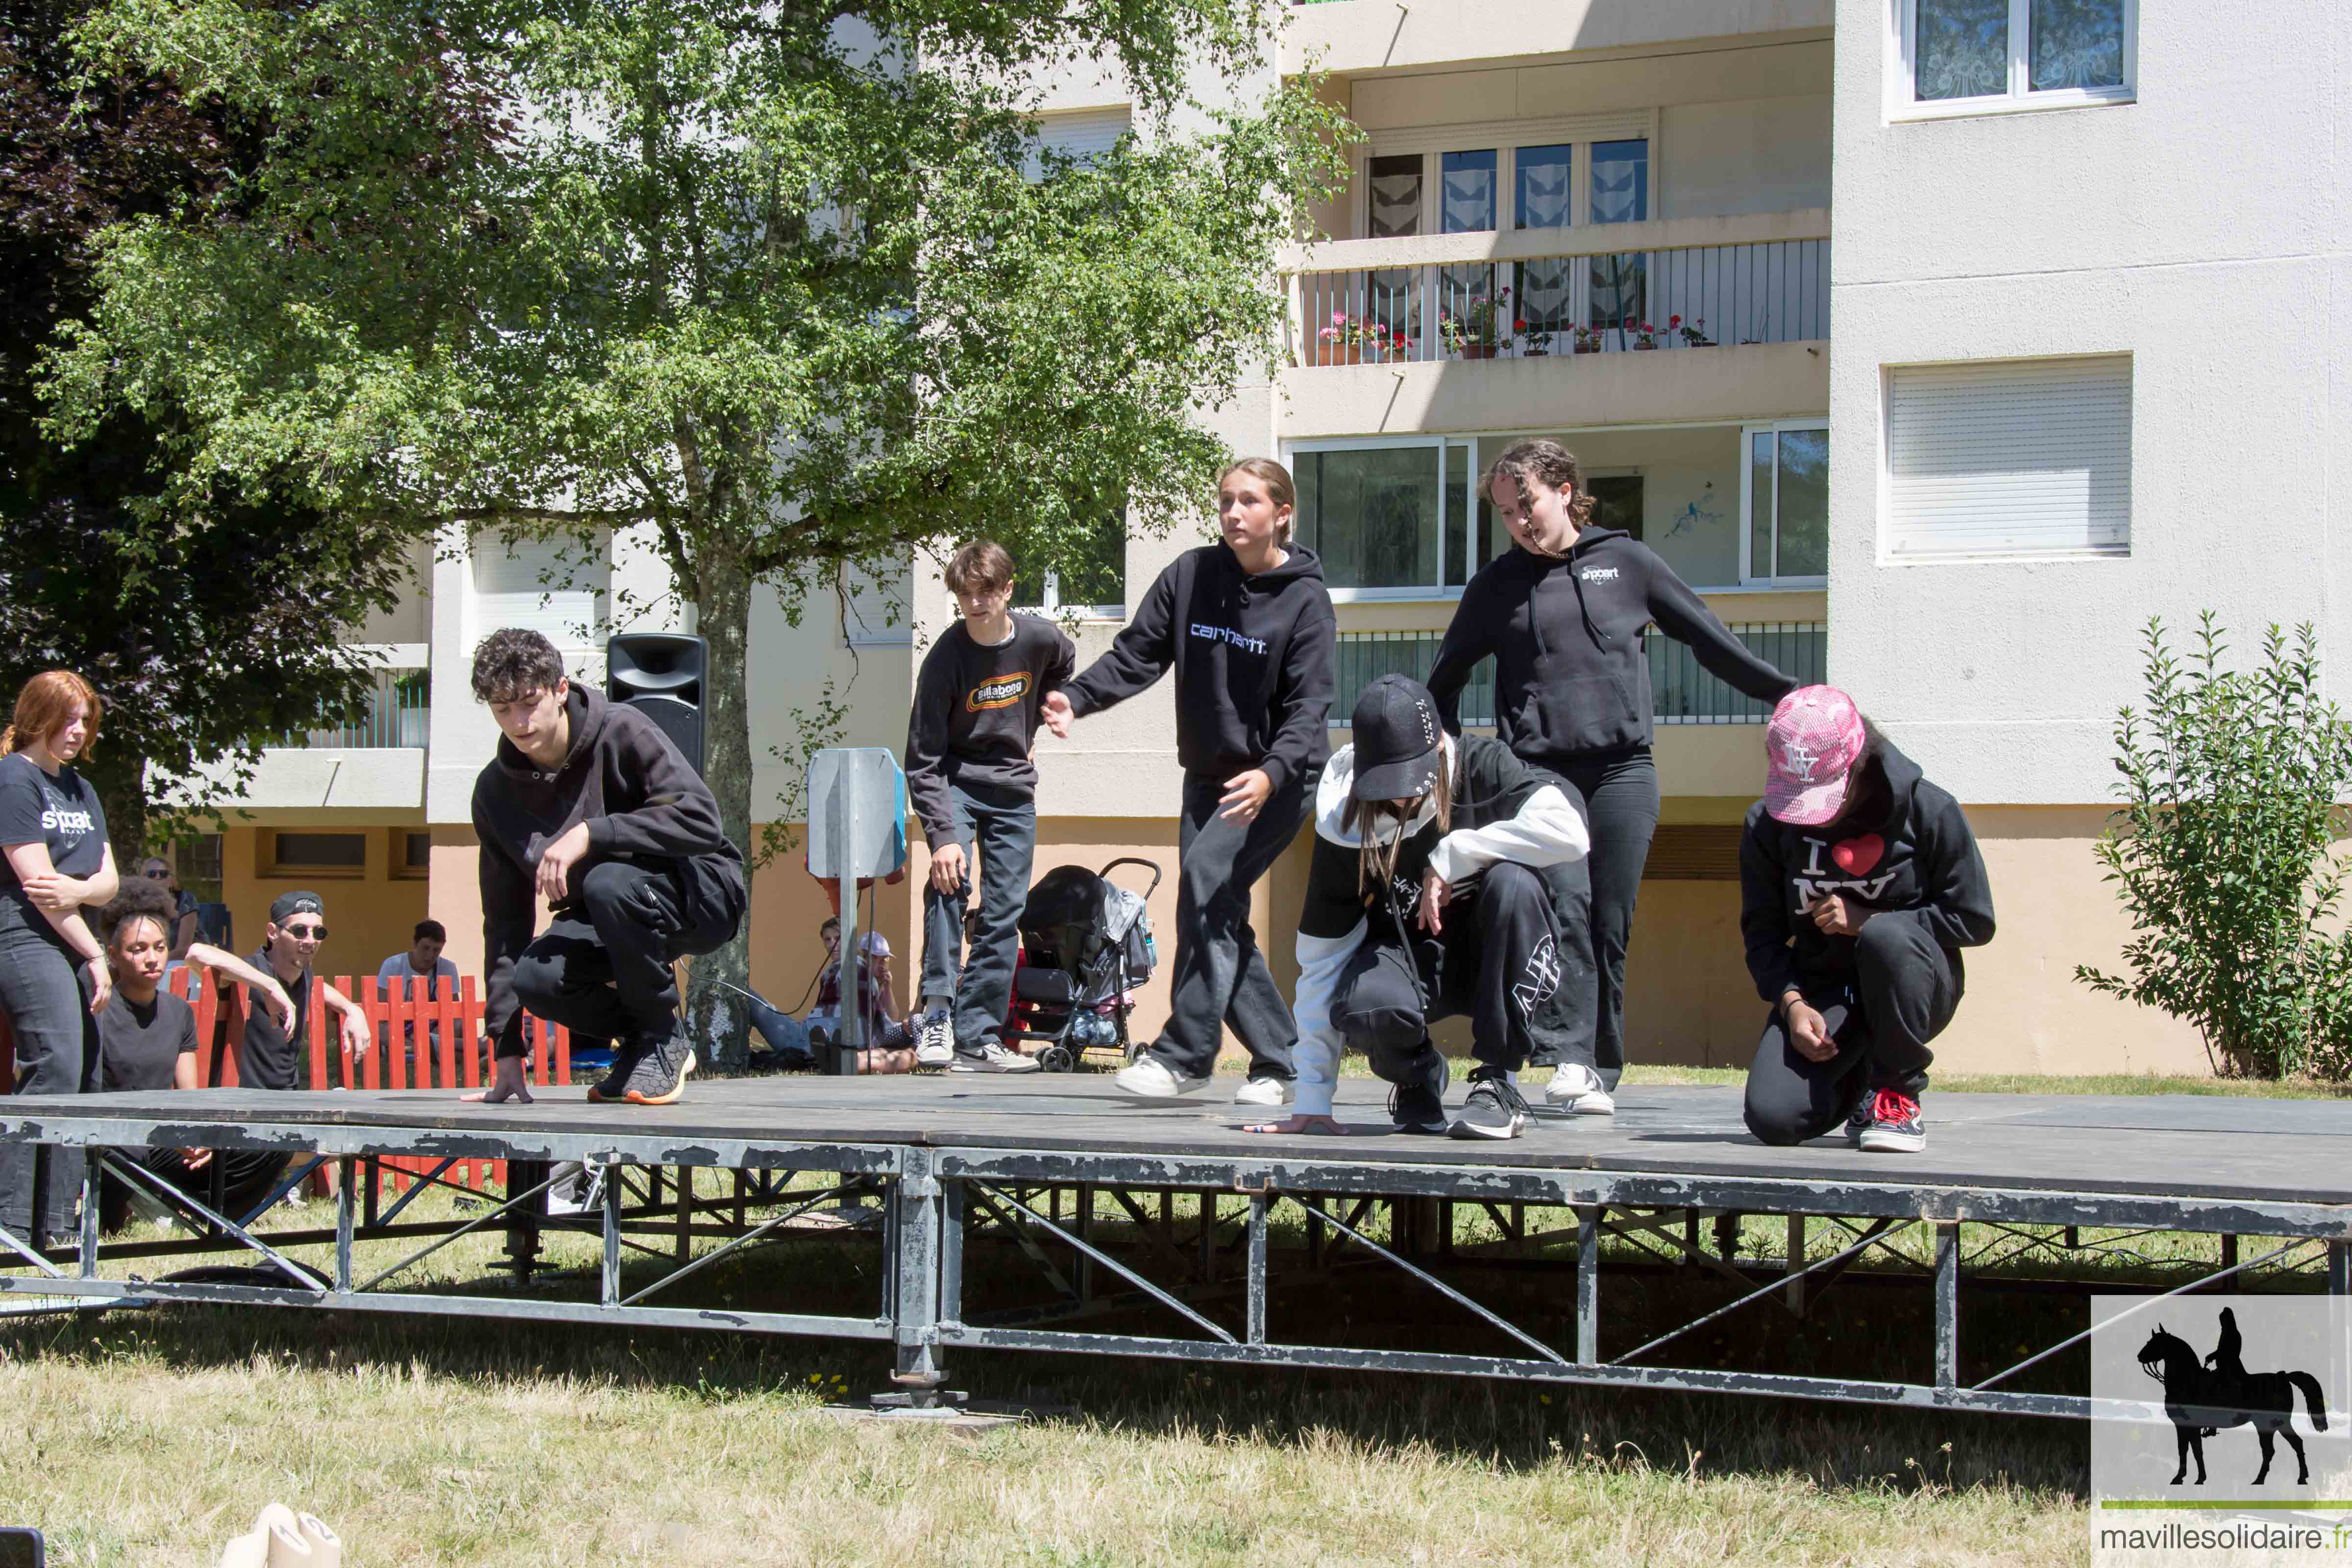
(1809, 748)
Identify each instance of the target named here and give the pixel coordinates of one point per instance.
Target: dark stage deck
(951, 1154)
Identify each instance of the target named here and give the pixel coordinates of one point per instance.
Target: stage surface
(2213, 1147)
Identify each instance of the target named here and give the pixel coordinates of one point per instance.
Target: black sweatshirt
(1571, 677)
(641, 801)
(975, 715)
(1253, 657)
(1903, 851)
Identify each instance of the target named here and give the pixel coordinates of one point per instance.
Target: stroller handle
(1134, 860)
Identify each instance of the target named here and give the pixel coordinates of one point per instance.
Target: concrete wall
(2203, 230)
(1352, 36)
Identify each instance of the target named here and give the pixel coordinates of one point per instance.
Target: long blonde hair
(45, 705)
(1376, 862)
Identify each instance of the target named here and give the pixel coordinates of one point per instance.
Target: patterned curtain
(1962, 49)
(2077, 44)
(1545, 298)
(1621, 194)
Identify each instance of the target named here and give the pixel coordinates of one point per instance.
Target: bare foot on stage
(509, 1084)
(1322, 1126)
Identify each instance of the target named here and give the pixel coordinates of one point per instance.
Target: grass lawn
(146, 1438)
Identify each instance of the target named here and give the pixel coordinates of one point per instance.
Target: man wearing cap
(1425, 901)
(269, 1055)
(1860, 883)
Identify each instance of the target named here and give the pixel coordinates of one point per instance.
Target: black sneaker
(1858, 1119)
(613, 1086)
(1420, 1105)
(1896, 1125)
(660, 1073)
(1494, 1109)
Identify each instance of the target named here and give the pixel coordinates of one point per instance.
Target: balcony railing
(1564, 299)
(399, 716)
(1682, 692)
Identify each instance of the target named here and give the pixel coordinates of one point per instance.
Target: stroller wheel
(1057, 1058)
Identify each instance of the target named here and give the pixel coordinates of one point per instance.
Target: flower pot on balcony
(1588, 348)
(1478, 351)
(1643, 348)
(1338, 353)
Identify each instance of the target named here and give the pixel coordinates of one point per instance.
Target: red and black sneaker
(1895, 1127)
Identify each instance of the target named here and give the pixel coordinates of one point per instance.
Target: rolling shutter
(2009, 457)
(1083, 134)
(541, 584)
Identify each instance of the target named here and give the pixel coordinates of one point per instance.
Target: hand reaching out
(1057, 714)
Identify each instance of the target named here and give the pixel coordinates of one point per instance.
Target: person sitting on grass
(589, 806)
(147, 1040)
(1413, 827)
(1860, 882)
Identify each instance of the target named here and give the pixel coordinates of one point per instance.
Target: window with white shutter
(552, 586)
(2009, 457)
(1082, 134)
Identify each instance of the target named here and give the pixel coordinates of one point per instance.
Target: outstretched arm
(257, 980)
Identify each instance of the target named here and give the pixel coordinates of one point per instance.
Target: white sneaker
(1150, 1078)
(1263, 1091)
(935, 1041)
(991, 1057)
(1576, 1089)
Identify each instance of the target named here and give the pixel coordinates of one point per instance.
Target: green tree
(779, 281)
(2225, 854)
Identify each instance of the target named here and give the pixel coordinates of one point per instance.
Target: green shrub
(2226, 854)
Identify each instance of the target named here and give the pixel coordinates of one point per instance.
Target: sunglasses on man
(306, 934)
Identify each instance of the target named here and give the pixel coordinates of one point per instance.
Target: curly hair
(514, 662)
(142, 899)
(1550, 464)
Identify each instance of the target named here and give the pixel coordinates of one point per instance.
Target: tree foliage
(207, 626)
(2226, 854)
(779, 284)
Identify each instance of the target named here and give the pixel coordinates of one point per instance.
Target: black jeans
(1901, 995)
(1219, 976)
(1592, 899)
(43, 991)
(1003, 826)
(1496, 961)
(601, 967)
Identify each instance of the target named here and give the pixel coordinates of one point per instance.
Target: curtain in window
(1621, 194)
(1395, 210)
(1546, 299)
(2077, 44)
(1961, 48)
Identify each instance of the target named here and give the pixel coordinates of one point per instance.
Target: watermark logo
(2219, 1432)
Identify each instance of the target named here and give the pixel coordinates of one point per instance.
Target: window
(1785, 499)
(2009, 457)
(1621, 194)
(552, 586)
(411, 853)
(1975, 57)
(200, 867)
(1082, 135)
(1092, 584)
(335, 855)
(1374, 514)
(875, 610)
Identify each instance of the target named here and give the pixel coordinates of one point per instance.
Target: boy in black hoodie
(1248, 627)
(591, 806)
(1860, 883)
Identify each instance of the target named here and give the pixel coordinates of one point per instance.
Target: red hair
(44, 707)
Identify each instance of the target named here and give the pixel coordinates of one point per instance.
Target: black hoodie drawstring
(1590, 629)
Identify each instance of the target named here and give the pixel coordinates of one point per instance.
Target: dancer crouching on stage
(1860, 883)
(1426, 901)
(1248, 626)
(1563, 613)
(589, 806)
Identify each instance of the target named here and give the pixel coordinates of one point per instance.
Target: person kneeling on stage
(1860, 883)
(589, 806)
(1425, 901)
(147, 1040)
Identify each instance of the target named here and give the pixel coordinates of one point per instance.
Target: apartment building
(1938, 342)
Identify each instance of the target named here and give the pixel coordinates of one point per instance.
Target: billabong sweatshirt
(641, 801)
(1903, 852)
(1252, 657)
(975, 715)
(1572, 678)
(1503, 810)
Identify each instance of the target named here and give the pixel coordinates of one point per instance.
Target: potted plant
(1476, 331)
(1351, 340)
(1586, 340)
(1694, 336)
(1533, 344)
(1645, 336)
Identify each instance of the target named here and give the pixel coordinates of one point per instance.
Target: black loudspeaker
(659, 674)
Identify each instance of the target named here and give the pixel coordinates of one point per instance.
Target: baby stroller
(1085, 950)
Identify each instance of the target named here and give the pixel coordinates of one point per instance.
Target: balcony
(1349, 36)
(398, 715)
(1682, 692)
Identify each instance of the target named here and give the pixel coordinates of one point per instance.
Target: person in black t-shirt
(270, 1053)
(147, 1041)
(969, 776)
(54, 859)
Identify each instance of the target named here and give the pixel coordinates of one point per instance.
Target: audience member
(270, 1053)
(419, 974)
(155, 868)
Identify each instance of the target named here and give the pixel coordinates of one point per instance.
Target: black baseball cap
(286, 906)
(1397, 740)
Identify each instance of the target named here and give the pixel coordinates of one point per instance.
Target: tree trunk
(120, 780)
(717, 1016)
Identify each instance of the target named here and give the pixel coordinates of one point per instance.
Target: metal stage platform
(1091, 1190)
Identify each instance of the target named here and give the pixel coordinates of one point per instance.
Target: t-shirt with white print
(61, 813)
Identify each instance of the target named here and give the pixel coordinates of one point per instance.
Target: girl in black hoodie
(1563, 615)
(1247, 627)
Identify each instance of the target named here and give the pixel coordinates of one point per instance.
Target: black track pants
(625, 927)
(1592, 900)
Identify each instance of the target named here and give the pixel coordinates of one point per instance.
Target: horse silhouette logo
(2202, 1396)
